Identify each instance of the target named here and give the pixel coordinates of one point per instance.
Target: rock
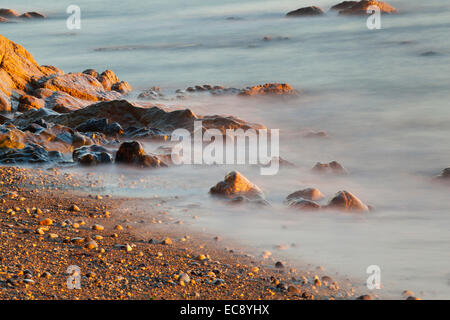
(344, 5)
(78, 85)
(445, 174)
(107, 79)
(332, 167)
(360, 8)
(91, 244)
(293, 290)
(102, 125)
(304, 204)
(307, 194)
(272, 89)
(3, 20)
(8, 13)
(92, 155)
(74, 208)
(184, 277)
(133, 153)
(18, 66)
(345, 201)
(32, 15)
(279, 265)
(5, 102)
(153, 93)
(91, 72)
(316, 134)
(167, 241)
(122, 87)
(307, 11)
(413, 298)
(98, 227)
(407, 293)
(365, 297)
(128, 115)
(31, 153)
(235, 184)
(46, 222)
(27, 102)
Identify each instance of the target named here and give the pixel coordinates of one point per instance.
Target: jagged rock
(132, 152)
(283, 163)
(91, 72)
(303, 204)
(140, 133)
(77, 85)
(128, 115)
(332, 167)
(31, 153)
(307, 11)
(306, 194)
(234, 185)
(92, 155)
(360, 8)
(269, 89)
(345, 201)
(27, 102)
(62, 102)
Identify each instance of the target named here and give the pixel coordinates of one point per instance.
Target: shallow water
(383, 104)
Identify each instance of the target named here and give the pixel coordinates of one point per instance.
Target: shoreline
(125, 265)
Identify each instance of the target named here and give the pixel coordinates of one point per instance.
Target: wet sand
(42, 235)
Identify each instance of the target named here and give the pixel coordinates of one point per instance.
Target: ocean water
(381, 95)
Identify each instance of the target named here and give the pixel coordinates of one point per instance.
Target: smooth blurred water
(384, 104)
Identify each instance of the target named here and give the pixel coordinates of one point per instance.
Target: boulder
(92, 155)
(31, 153)
(445, 174)
(345, 201)
(122, 87)
(101, 125)
(360, 8)
(332, 167)
(272, 89)
(107, 79)
(27, 102)
(236, 185)
(132, 152)
(306, 194)
(306, 12)
(32, 15)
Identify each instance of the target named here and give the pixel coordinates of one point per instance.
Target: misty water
(381, 95)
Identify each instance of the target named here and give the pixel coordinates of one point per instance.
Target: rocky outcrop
(5, 103)
(445, 174)
(360, 8)
(306, 12)
(128, 115)
(345, 201)
(12, 14)
(31, 153)
(333, 167)
(344, 5)
(92, 155)
(235, 185)
(133, 153)
(269, 89)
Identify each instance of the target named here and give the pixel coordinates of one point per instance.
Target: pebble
(167, 241)
(98, 227)
(75, 208)
(279, 265)
(293, 289)
(91, 244)
(46, 222)
(407, 293)
(118, 227)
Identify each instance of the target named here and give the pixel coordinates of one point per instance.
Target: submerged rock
(346, 201)
(234, 185)
(303, 204)
(8, 13)
(92, 155)
(332, 167)
(344, 5)
(132, 152)
(153, 93)
(360, 8)
(307, 11)
(445, 174)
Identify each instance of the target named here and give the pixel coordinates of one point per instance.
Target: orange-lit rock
(332, 167)
(306, 12)
(268, 89)
(360, 8)
(235, 184)
(345, 201)
(307, 194)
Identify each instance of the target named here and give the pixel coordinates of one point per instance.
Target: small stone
(118, 227)
(75, 208)
(407, 293)
(128, 248)
(200, 257)
(279, 265)
(293, 289)
(167, 241)
(364, 297)
(98, 227)
(52, 235)
(413, 298)
(91, 244)
(46, 222)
